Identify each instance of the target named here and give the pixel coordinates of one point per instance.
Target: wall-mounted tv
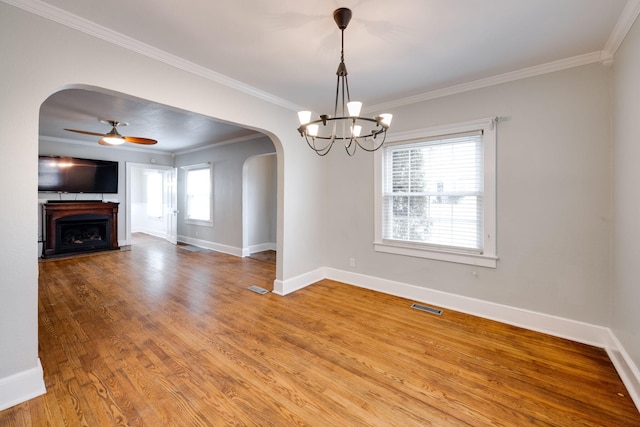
(74, 175)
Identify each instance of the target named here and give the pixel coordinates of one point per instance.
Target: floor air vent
(431, 310)
(258, 289)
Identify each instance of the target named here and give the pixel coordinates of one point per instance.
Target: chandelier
(346, 124)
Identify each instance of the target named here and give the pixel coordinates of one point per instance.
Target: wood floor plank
(160, 336)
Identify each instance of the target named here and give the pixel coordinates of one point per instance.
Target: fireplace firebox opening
(83, 233)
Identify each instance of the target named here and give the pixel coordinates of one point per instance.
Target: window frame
(488, 257)
(195, 221)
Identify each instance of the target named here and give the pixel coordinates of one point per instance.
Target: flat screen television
(74, 175)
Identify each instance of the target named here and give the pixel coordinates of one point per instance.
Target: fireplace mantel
(55, 211)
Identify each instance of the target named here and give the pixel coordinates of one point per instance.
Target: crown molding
(626, 20)
(524, 73)
(222, 143)
(622, 27)
(60, 16)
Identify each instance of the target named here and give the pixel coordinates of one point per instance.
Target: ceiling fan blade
(86, 132)
(136, 140)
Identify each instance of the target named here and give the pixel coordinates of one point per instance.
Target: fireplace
(79, 233)
(74, 227)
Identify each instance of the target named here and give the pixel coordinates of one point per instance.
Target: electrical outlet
(352, 262)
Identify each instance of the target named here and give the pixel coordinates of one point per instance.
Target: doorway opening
(259, 207)
(151, 201)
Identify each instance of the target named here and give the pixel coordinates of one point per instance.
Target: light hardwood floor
(158, 335)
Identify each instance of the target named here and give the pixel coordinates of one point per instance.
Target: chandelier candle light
(348, 126)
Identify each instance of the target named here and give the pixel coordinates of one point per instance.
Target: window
(198, 195)
(435, 194)
(154, 194)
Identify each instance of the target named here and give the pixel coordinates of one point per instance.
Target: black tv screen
(73, 175)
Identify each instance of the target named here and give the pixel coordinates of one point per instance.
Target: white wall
(227, 163)
(554, 184)
(41, 57)
(260, 207)
(625, 319)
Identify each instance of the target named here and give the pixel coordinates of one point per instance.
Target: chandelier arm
(345, 91)
(341, 97)
(346, 86)
(319, 151)
(376, 147)
(332, 140)
(335, 106)
(351, 144)
(328, 147)
(351, 120)
(334, 131)
(326, 151)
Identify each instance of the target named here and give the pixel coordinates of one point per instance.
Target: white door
(171, 204)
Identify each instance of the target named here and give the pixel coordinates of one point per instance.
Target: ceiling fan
(113, 137)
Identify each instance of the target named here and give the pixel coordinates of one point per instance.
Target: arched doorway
(259, 204)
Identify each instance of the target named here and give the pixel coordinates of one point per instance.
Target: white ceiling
(289, 50)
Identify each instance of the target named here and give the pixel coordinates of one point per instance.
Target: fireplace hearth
(76, 227)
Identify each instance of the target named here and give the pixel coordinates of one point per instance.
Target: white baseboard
(259, 248)
(291, 285)
(231, 250)
(151, 232)
(21, 387)
(625, 367)
(598, 336)
(557, 326)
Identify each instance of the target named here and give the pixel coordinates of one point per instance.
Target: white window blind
(433, 192)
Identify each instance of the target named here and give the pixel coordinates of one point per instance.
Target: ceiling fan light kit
(347, 127)
(113, 137)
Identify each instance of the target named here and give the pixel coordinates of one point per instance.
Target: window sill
(479, 260)
(199, 222)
